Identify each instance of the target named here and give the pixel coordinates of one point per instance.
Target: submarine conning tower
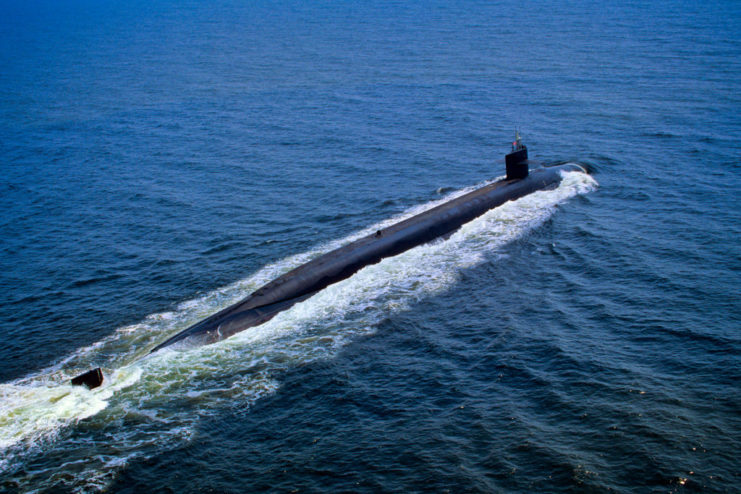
(516, 160)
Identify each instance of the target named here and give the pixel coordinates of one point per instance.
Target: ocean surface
(162, 159)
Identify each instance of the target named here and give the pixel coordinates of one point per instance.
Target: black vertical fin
(91, 379)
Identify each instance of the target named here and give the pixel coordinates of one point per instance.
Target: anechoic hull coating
(339, 264)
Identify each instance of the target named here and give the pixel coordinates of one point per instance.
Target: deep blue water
(162, 159)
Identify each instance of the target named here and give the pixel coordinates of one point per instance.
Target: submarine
(304, 281)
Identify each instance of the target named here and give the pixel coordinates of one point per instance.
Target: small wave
(661, 135)
(91, 281)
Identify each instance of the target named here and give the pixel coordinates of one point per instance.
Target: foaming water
(150, 403)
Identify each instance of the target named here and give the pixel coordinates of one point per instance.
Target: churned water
(163, 159)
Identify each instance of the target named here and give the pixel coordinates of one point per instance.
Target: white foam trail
(174, 388)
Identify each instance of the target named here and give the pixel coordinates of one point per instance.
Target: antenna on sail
(517, 144)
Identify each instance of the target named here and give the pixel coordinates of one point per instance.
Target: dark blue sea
(162, 159)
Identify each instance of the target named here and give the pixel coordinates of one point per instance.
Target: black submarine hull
(302, 282)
